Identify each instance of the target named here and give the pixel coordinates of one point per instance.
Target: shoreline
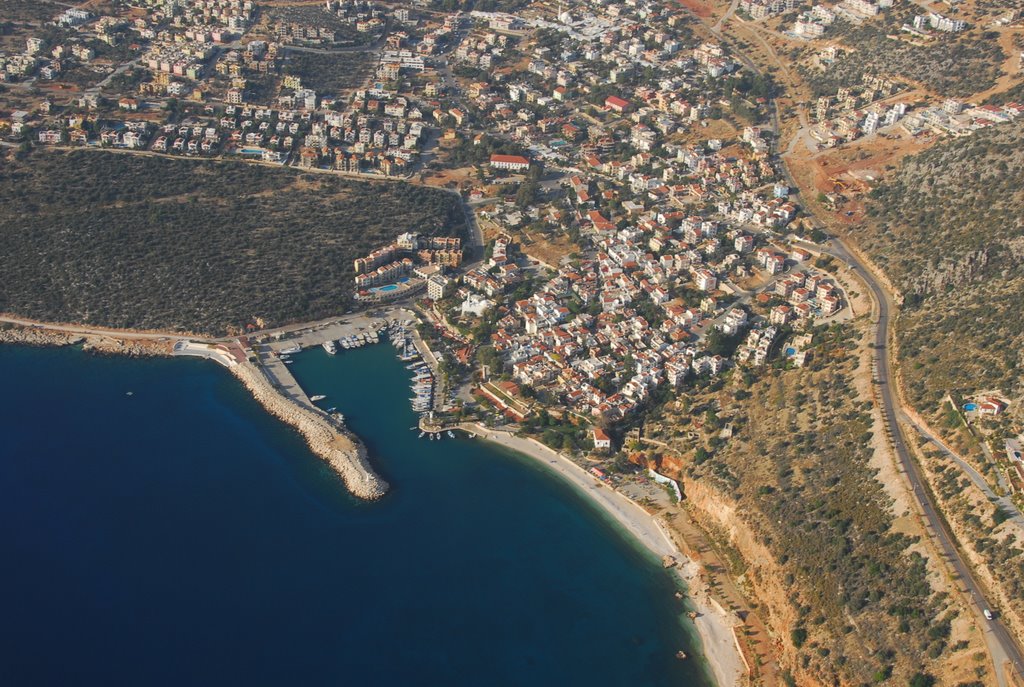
(715, 627)
(329, 440)
(347, 457)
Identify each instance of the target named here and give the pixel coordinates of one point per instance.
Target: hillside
(153, 243)
(807, 497)
(947, 229)
(958, 67)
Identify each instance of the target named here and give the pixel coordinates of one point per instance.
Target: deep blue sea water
(181, 536)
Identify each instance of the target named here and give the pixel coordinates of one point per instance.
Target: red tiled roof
(510, 159)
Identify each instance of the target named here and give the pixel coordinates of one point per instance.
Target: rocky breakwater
(342, 450)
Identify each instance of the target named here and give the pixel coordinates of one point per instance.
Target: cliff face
(342, 450)
(716, 512)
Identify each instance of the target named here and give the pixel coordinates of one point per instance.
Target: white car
(988, 614)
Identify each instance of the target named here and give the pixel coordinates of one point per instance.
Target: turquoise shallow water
(180, 535)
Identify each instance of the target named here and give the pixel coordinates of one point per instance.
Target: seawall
(340, 449)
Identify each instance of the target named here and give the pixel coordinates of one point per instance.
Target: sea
(158, 527)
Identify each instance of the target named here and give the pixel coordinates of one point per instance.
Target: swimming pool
(970, 406)
(386, 289)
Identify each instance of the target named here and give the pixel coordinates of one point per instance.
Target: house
(990, 406)
(616, 104)
(513, 163)
(602, 442)
(706, 280)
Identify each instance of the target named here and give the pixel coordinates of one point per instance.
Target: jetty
(263, 370)
(327, 438)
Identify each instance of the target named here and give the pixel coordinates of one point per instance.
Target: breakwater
(343, 451)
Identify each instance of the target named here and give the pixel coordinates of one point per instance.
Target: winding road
(1000, 642)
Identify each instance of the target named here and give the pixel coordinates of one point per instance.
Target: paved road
(1000, 642)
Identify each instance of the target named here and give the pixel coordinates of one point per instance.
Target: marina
(395, 325)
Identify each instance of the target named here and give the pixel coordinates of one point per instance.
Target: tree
(527, 193)
(921, 680)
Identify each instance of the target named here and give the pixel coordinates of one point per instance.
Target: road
(99, 331)
(976, 477)
(1000, 642)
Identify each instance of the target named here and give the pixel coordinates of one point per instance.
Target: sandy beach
(714, 625)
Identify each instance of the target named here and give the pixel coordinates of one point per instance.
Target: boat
(681, 655)
(421, 434)
(288, 362)
(291, 349)
(451, 434)
(318, 397)
(330, 347)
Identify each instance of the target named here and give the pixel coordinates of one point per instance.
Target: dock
(281, 377)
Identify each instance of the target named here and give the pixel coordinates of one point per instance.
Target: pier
(281, 378)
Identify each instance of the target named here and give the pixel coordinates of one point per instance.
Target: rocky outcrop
(38, 336)
(342, 450)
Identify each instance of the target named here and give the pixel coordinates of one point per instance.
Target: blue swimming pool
(970, 406)
(385, 289)
(790, 352)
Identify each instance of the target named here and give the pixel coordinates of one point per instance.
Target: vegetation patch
(330, 73)
(947, 229)
(30, 10)
(799, 466)
(155, 243)
(956, 67)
